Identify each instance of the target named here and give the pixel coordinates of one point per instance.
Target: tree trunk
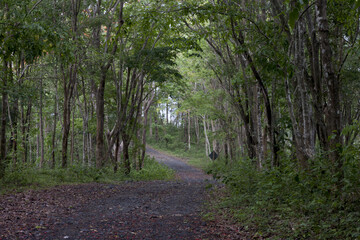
(68, 94)
(41, 123)
(72, 139)
(214, 142)
(147, 106)
(69, 86)
(53, 140)
(197, 130)
(226, 153)
(332, 113)
(207, 142)
(156, 127)
(30, 152)
(15, 130)
(85, 127)
(100, 147)
(167, 112)
(269, 116)
(258, 125)
(126, 159)
(117, 150)
(66, 127)
(101, 153)
(150, 126)
(189, 131)
(3, 120)
(38, 143)
(26, 130)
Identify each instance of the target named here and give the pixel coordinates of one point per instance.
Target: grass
(30, 177)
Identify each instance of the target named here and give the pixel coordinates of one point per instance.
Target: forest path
(130, 210)
(183, 171)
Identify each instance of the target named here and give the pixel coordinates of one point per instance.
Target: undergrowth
(28, 176)
(283, 202)
(286, 203)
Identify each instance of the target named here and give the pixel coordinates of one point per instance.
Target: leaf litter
(129, 210)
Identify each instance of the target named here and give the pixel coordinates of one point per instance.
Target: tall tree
(69, 74)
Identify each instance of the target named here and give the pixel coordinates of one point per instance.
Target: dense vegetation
(271, 86)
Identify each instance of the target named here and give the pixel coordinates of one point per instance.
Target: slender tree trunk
(126, 158)
(72, 139)
(41, 124)
(167, 112)
(70, 85)
(38, 142)
(150, 126)
(30, 151)
(189, 131)
(207, 142)
(260, 150)
(85, 126)
(156, 127)
(197, 130)
(117, 150)
(20, 74)
(22, 120)
(15, 130)
(90, 149)
(3, 120)
(68, 94)
(226, 153)
(53, 140)
(100, 147)
(214, 142)
(147, 106)
(26, 131)
(66, 127)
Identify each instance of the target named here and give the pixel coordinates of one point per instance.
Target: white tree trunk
(207, 143)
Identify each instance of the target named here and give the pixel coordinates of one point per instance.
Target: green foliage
(152, 171)
(171, 143)
(169, 139)
(289, 204)
(29, 176)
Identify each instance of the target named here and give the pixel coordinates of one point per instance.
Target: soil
(129, 210)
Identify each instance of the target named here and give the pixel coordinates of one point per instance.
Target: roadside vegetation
(290, 204)
(31, 177)
(281, 203)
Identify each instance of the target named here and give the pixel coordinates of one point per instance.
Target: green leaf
(293, 16)
(357, 4)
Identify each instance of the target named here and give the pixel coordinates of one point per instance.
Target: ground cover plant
(289, 204)
(31, 177)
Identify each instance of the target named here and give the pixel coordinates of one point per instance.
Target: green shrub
(288, 203)
(152, 170)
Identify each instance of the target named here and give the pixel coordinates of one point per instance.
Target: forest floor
(128, 210)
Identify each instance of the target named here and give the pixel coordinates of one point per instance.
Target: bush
(287, 203)
(152, 170)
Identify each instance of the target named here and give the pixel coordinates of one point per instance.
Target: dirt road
(132, 210)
